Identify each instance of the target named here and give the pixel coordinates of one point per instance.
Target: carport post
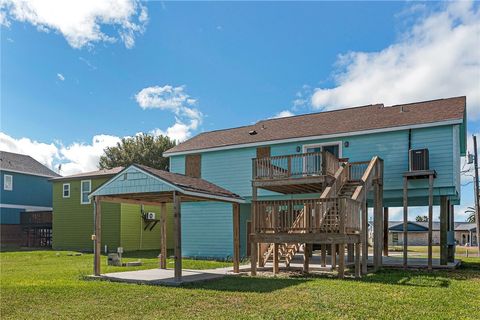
(163, 235)
(98, 235)
(236, 238)
(177, 235)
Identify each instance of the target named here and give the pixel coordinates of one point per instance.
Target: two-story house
(124, 225)
(25, 187)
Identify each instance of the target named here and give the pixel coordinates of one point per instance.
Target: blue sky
(76, 78)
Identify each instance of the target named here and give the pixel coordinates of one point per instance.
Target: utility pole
(477, 194)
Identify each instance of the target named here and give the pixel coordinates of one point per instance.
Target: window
(86, 187)
(193, 165)
(66, 190)
(8, 182)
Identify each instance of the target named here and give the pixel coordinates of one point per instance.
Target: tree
(142, 149)
(421, 219)
(471, 214)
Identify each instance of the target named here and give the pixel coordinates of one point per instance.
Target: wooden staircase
(349, 188)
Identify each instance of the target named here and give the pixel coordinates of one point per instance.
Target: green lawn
(44, 285)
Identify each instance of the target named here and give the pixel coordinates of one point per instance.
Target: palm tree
(471, 214)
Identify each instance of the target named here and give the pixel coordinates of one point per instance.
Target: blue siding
(136, 181)
(245, 215)
(10, 216)
(207, 230)
(27, 190)
(177, 164)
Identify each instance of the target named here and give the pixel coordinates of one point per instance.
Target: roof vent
(401, 109)
(252, 132)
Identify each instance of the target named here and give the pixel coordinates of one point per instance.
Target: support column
(350, 252)
(443, 230)
(253, 244)
(324, 255)
(177, 235)
(98, 236)
(358, 271)
(405, 223)
(451, 234)
(275, 258)
(385, 231)
(333, 257)
(430, 222)
(163, 235)
(364, 235)
(306, 257)
(236, 237)
(377, 228)
(341, 260)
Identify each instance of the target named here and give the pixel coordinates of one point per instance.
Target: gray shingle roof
(331, 122)
(91, 174)
(459, 226)
(24, 164)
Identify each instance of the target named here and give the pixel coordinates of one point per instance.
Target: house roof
(459, 226)
(191, 184)
(364, 118)
(22, 163)
(92, 174)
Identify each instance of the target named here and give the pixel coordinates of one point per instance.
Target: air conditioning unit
(418, 159)
(150, 215)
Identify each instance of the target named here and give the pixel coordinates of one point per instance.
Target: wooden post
(405, 223)
(163, 235)
(275, 258)
(177, 235)
(98, 235)
(430, 222)
(324, 255)
(364, 236)
(377, 228)
(253, 244)
(333, 257)
(358, 271)
(443, 230)
(236, 237)
(306, 257)
(385, 231)
(341, 260)
(451, 234)
(350, 252)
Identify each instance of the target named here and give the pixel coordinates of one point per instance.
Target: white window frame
(63, 190)
(323, 144)
(81, 191)
(5, 178)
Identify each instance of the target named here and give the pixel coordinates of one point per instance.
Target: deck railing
(328, 215)
(295, 166)
(357, 169)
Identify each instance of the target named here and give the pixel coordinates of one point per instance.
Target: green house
(123, 225)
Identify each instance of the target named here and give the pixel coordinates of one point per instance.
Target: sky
(78, 76)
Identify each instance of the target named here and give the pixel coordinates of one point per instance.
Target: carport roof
(195, 188)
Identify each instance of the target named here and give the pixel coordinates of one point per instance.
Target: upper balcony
(295, 173)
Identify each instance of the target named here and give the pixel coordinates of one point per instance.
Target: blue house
(24, 188)
(309, 180)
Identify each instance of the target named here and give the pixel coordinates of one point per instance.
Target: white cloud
(60, 77)
(176, 100)
(283, 114)
(437, 57)
(75, 158)
(79, 21)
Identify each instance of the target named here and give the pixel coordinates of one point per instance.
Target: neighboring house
(123, 225)
(224, 157)
(25, 188)
(465, 233)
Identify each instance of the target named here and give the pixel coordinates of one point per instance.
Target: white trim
(63, 190)
(10, 188)
(89, 190)
(25, 207)
(323, 144)
(28, 173)
(299, 139)
(190, 193)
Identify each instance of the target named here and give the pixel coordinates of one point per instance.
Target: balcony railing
(295, 166)
(328, 215)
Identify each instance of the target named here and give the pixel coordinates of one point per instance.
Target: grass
(44, 285)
